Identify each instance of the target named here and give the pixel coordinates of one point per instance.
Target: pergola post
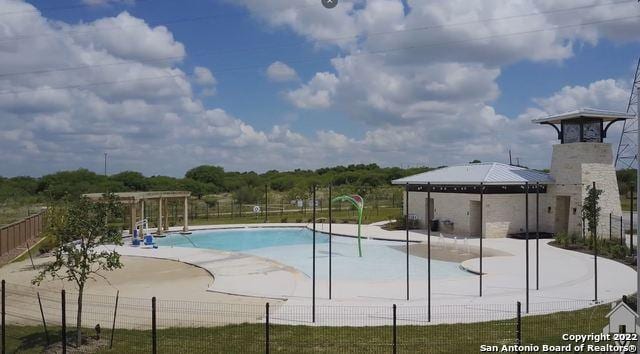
(133, 208)
(185, 228)
(142, 208)
(160, 202)
(166, 214)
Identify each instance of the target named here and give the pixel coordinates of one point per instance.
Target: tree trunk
(79, 318)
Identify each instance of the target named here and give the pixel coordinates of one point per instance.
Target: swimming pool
(381, 260)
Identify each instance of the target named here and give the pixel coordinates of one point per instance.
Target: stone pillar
(160, 202)
(575, 166)
(186, 215)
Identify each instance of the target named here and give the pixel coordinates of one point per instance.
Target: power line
(155, 23)
(373, 34)
(51, 8)
(378, 52)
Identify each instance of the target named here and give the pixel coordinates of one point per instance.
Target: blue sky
(257, 85)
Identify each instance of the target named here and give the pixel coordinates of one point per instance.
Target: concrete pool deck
(566, 277)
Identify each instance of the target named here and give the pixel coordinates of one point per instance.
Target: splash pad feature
(358, 202)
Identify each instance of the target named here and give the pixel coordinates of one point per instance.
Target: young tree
(591, 210)
(80, 228)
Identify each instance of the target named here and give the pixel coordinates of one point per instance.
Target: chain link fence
(34, 321)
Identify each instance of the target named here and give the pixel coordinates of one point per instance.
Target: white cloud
(203, 76)
(107, 2)
(602, 94)
(317, 93)
(133, 39)
(281, 72)
(430, 105)
(306, 17)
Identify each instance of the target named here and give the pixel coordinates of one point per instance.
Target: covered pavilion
(136, 202)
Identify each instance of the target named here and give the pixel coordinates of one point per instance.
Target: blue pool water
(380, 261)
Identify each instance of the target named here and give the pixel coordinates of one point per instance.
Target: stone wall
(576, 165)
(505, 214)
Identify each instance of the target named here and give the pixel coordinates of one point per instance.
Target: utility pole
(105, 164)
(638, 190)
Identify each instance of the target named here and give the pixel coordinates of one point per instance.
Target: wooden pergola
(137, 200)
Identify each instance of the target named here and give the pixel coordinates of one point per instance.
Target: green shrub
(617, 251)
(399, 224)
(284, 220)
(561, 239)
(575, 239)
(298, 220)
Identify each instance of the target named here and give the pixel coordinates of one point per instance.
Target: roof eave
(492, 183)
(605, 115)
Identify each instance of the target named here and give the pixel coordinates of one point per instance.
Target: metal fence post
(610, 219)
(621, 232)
(313, 290)
(519, 324)
(113, 326)
(395, 338)
(64, 322)
(154, 338)
(526, 232)
(595, 256)
(4, 313)
(266, 329)
(44, 321)
(406, 221)
(631, 226)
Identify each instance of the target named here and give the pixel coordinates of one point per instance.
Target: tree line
(200, 181)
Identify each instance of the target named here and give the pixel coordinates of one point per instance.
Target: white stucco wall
(503, 214)
(447, 206)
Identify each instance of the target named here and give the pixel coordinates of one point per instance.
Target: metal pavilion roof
(585, 113)
(490, 173)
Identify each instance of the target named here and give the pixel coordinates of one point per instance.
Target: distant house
(622, 319)
(581, 158)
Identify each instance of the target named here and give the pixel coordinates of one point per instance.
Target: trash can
(435, 225)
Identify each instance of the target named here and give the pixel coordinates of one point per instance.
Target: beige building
(491, 198)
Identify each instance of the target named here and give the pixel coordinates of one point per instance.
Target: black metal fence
(274, 207)
(616, 229)
(34, 320)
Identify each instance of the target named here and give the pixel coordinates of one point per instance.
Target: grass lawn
(250, 338)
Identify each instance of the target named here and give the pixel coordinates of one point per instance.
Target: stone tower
(581, 158)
